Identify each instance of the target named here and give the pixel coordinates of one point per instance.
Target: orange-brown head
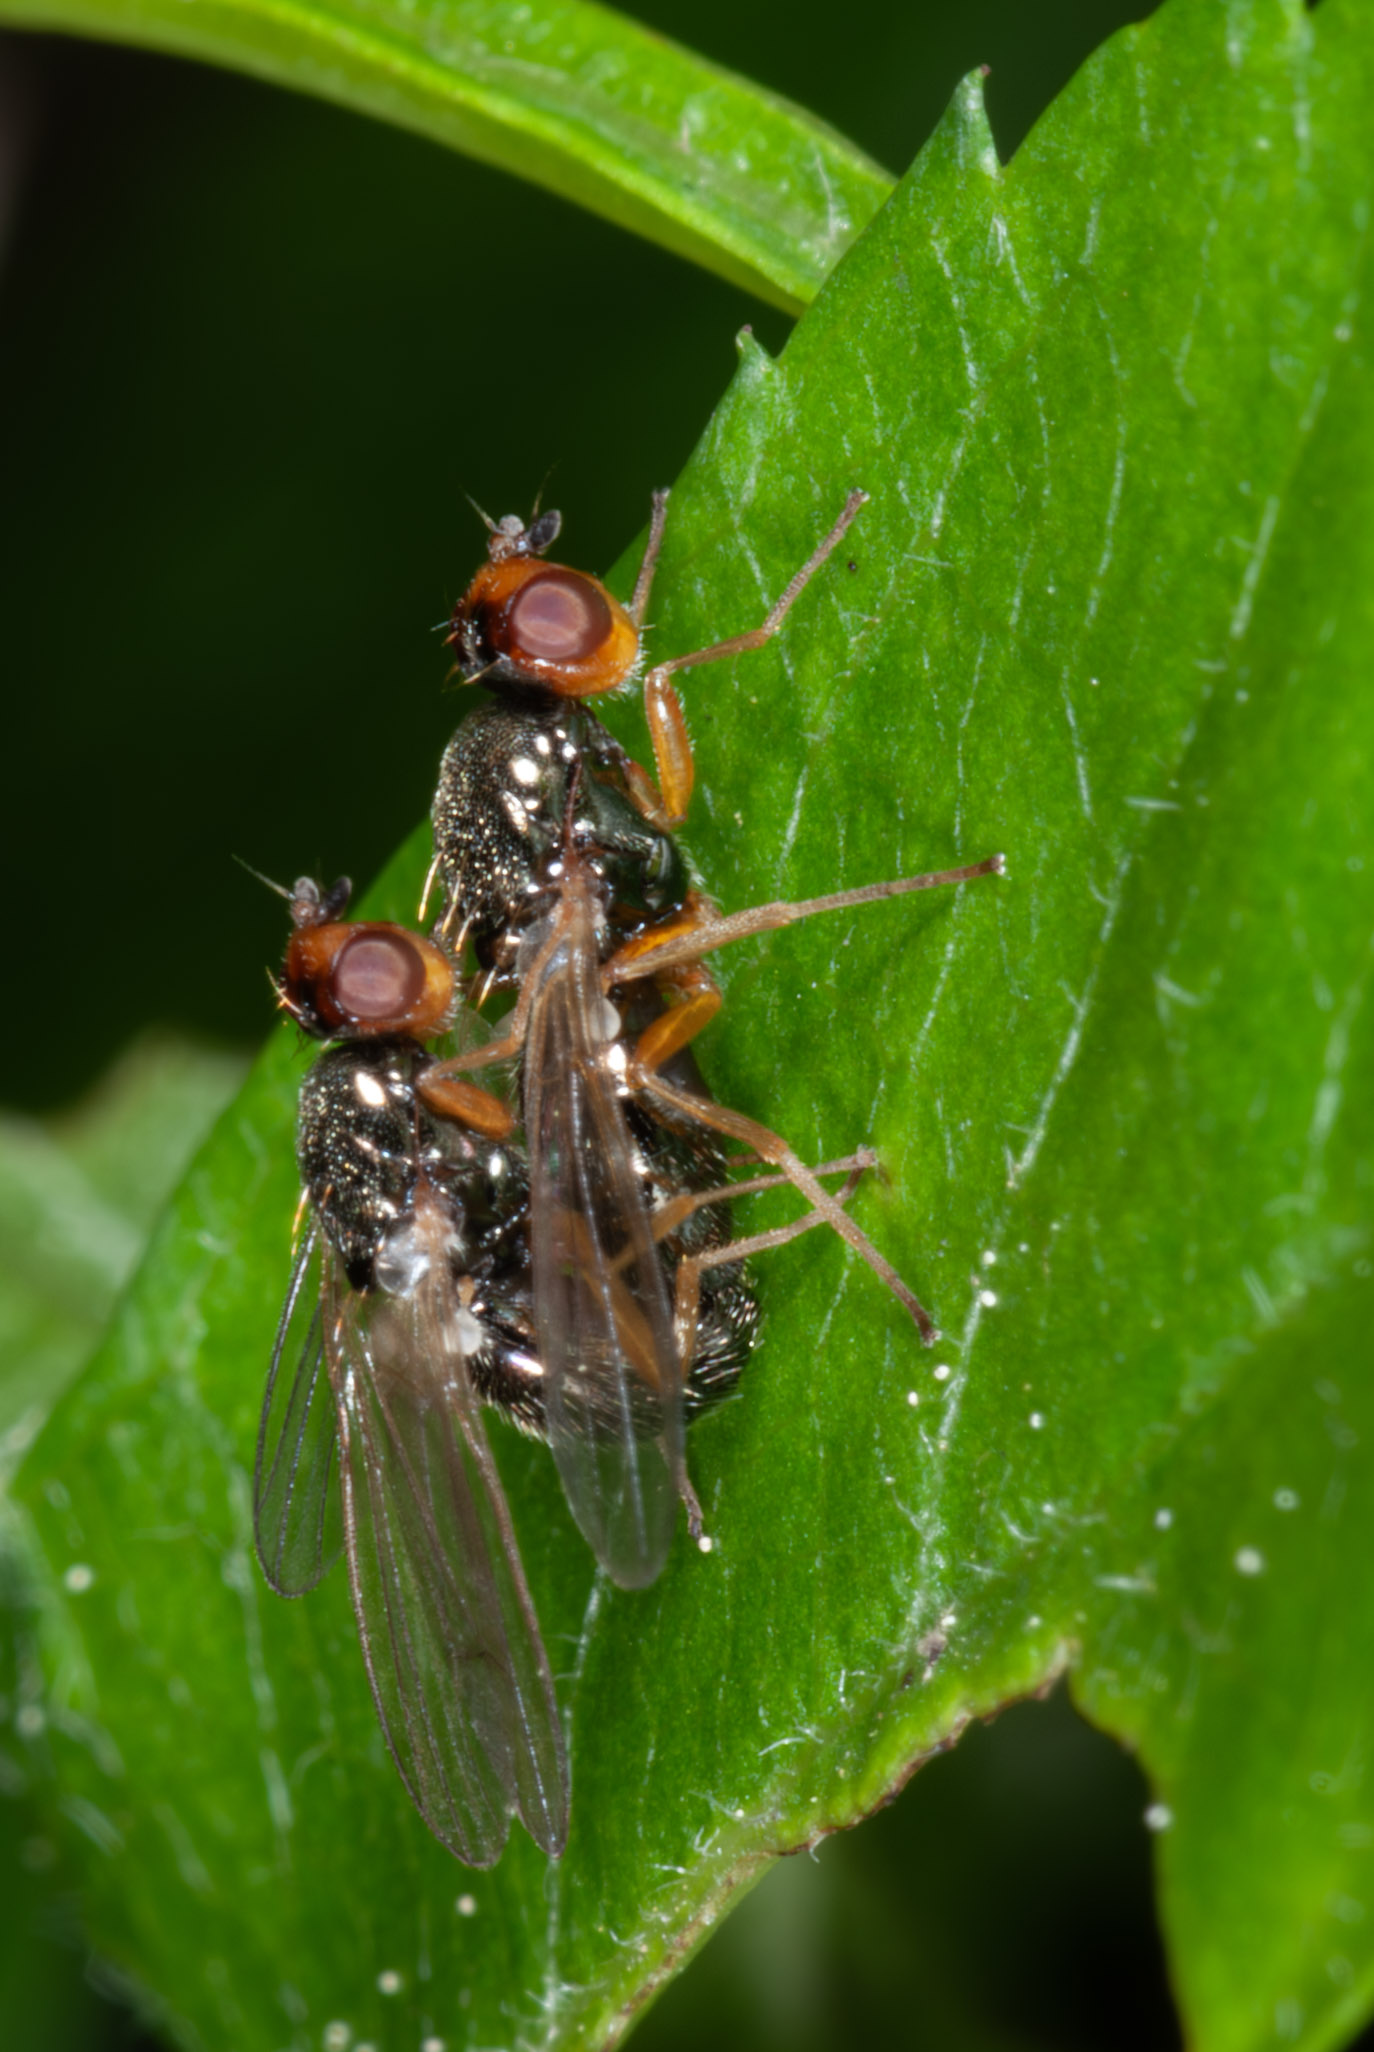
(353, 979)
(526, 622)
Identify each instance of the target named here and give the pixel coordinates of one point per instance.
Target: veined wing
(452, 1646)
(295, 1500)
(612, 1381)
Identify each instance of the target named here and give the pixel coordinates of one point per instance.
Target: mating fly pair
(587, 1282)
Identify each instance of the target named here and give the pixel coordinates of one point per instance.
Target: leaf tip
(965, 129)
(755, 363)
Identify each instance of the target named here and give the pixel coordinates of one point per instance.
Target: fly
(555, 853)
(408, 1307)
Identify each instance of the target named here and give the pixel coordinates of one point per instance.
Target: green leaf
(1108, 610)
(575, 97)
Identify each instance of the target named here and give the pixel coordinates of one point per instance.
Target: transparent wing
(452, 1646)
(613, 1387)
(295, 1503)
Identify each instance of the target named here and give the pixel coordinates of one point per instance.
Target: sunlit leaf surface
(1108, 610)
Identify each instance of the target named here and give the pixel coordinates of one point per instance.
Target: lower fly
(409, 1306)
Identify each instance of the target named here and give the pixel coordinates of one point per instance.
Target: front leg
(663, 804)
(663, 708)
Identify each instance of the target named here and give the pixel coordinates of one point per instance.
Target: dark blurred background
(251, 363)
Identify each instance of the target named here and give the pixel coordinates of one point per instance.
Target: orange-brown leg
(687, 1283)
(666, 1218)
(774, 1149)
(503, 1050)
(690, 993)
(453, 1097)
(693, 998)
(658, 516)
(662, 707)
(700, 929)
(670, 951)
(665, 804)
(695, 912)
(677, 1210)
(644, 793)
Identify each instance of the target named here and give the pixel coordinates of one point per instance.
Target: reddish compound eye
(377, 976)
(559, 617)
(354, 979)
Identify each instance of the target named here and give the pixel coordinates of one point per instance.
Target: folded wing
(295, 1502)
(613, 1384)
(452, 1646)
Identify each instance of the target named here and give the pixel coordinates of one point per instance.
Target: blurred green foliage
(78, 1196)
(576, 97)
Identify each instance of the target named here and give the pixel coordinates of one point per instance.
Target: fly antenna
(280, 889)
(539, 495)
(482, 513)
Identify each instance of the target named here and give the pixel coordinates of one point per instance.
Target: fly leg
(699, 1000)
(668, 1217)
(772, 1148)
(671, 953)
(691, 997)
(699, 928)
(665, 805)
(453, 1097)
(446, 1076)
(511, 1042)
(687, 1287)
(687, 1284)
(658, 519)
